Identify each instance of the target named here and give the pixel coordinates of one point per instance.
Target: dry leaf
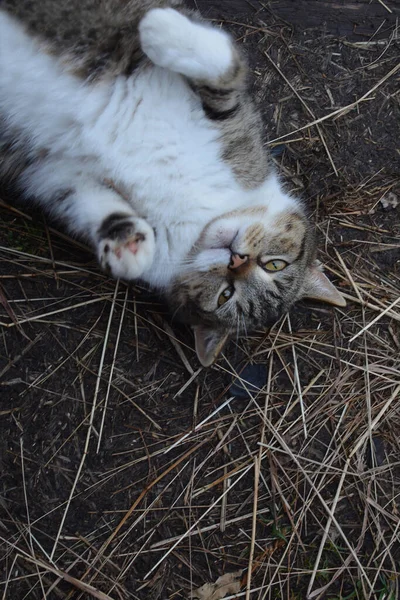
(227, 584)
(390, 201)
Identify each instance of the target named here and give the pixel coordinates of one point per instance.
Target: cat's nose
(237, 260)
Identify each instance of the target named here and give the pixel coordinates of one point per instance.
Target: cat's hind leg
(192, 48)
(123, 242)
(217, 72)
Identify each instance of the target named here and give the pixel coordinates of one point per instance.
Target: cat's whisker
(237, 328)
(244, 325)
(188, 280)
(176, 311)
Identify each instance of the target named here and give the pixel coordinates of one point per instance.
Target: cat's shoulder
(97, 36)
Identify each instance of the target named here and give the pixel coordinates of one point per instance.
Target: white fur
(174, 42)
(147, 134)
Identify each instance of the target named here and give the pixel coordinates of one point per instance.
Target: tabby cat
(130, 121)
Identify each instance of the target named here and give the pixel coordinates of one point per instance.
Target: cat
(131, 122)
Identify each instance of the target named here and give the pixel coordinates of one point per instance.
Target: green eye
(226, 295)
(275, 265)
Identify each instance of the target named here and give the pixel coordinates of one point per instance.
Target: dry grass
(128, 472)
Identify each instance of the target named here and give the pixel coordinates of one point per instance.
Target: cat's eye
(275, 265)
(226, 295)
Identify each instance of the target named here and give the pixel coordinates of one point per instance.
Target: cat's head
(245, 271)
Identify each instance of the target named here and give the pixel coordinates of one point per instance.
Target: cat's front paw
(125, 246)
(173, 41)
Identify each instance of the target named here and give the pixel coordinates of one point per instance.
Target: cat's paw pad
(126, 246)
(173, 41)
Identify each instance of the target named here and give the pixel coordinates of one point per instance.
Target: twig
(375, 422)
(377, 318)
(327, 528)
(308, 109)
(342, 110)
(254, 524)
(184, 437)
(80, 585)
(89, 430)
(297, 380)
(195, 524)
(178, 348)
(385, 6)
(114, 355)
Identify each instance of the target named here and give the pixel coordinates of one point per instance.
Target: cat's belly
(151, 134)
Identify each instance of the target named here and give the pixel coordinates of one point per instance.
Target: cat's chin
(219, 234)
(229, 228)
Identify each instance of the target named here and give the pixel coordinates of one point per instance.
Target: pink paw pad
(132, 245)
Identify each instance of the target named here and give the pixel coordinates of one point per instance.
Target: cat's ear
(318, 287)
(209, 343)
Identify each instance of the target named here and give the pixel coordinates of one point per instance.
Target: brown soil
(127, 468)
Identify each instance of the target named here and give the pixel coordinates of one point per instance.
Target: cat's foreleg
(123, 242)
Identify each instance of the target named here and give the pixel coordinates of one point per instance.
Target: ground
(127, 471)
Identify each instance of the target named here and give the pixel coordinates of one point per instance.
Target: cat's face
(245, 271)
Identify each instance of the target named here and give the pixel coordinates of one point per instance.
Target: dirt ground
(127, 471)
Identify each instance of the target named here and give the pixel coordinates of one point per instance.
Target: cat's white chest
(152, 135)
